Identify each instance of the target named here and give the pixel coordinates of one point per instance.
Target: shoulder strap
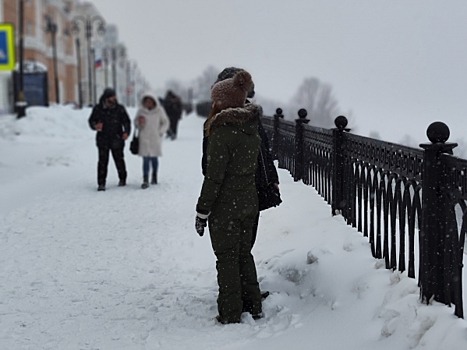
(263, 165)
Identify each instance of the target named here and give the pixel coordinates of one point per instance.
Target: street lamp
(117, 52)
(51, 27)
(129, 81)
(89, 23)
(94, 88)
(105, 57)
(21, 102)
(78, 58)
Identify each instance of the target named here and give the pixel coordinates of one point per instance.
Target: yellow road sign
(7, 47)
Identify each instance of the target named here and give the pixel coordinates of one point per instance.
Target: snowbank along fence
(410, 203)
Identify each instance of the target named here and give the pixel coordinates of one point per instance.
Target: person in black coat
(267, 179)
(173, 107)
(113, 125)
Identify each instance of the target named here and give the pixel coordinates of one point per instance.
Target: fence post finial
(341, 122)
(438, 132)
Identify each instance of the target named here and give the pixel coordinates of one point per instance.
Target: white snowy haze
(124, 269)
(391, 63)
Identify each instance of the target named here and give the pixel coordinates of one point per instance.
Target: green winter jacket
(232, 156)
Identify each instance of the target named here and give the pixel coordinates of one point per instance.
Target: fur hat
(229, 72)
(232, 92)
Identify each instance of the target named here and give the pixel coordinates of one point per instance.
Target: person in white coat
(152, 123)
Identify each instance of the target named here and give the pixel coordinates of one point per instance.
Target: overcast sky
(386, 60)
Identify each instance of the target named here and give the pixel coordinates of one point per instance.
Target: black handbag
(268, 194)
(134, 144)
(268, 197)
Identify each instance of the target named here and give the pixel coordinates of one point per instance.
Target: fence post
(434, 233)
(275, 134)
(338, 198)
(298, 169)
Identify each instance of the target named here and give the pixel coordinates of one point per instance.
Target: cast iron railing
(397, 196)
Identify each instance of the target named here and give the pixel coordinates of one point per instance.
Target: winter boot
(222, 320)
(145, 183)
(122, 183)
(257, 316)
(101, 188)
(154, 179)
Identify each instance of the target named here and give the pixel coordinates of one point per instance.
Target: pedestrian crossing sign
(7, 47)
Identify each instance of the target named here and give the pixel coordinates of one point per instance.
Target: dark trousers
(173, 129)
(236, 270)
(102, 164)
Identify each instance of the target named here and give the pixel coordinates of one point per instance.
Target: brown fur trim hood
(233, 116)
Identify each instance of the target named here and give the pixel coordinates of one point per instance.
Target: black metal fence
(410, 203)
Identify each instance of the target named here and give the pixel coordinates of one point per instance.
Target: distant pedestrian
(113, 125)
(228, 196)
(174, 107)
(152, 124)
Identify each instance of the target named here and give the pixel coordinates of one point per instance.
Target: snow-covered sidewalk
(125, 269)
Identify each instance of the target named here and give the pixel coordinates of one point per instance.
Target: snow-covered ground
(125, 269)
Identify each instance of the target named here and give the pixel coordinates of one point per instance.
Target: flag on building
(98, 63)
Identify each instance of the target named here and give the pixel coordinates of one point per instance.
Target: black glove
(200, 224)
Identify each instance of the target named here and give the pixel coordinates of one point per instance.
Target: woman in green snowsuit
(229, 198)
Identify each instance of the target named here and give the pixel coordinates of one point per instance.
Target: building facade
(38, 49)
(71, 42)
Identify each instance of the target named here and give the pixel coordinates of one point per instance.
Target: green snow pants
(236, 270)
